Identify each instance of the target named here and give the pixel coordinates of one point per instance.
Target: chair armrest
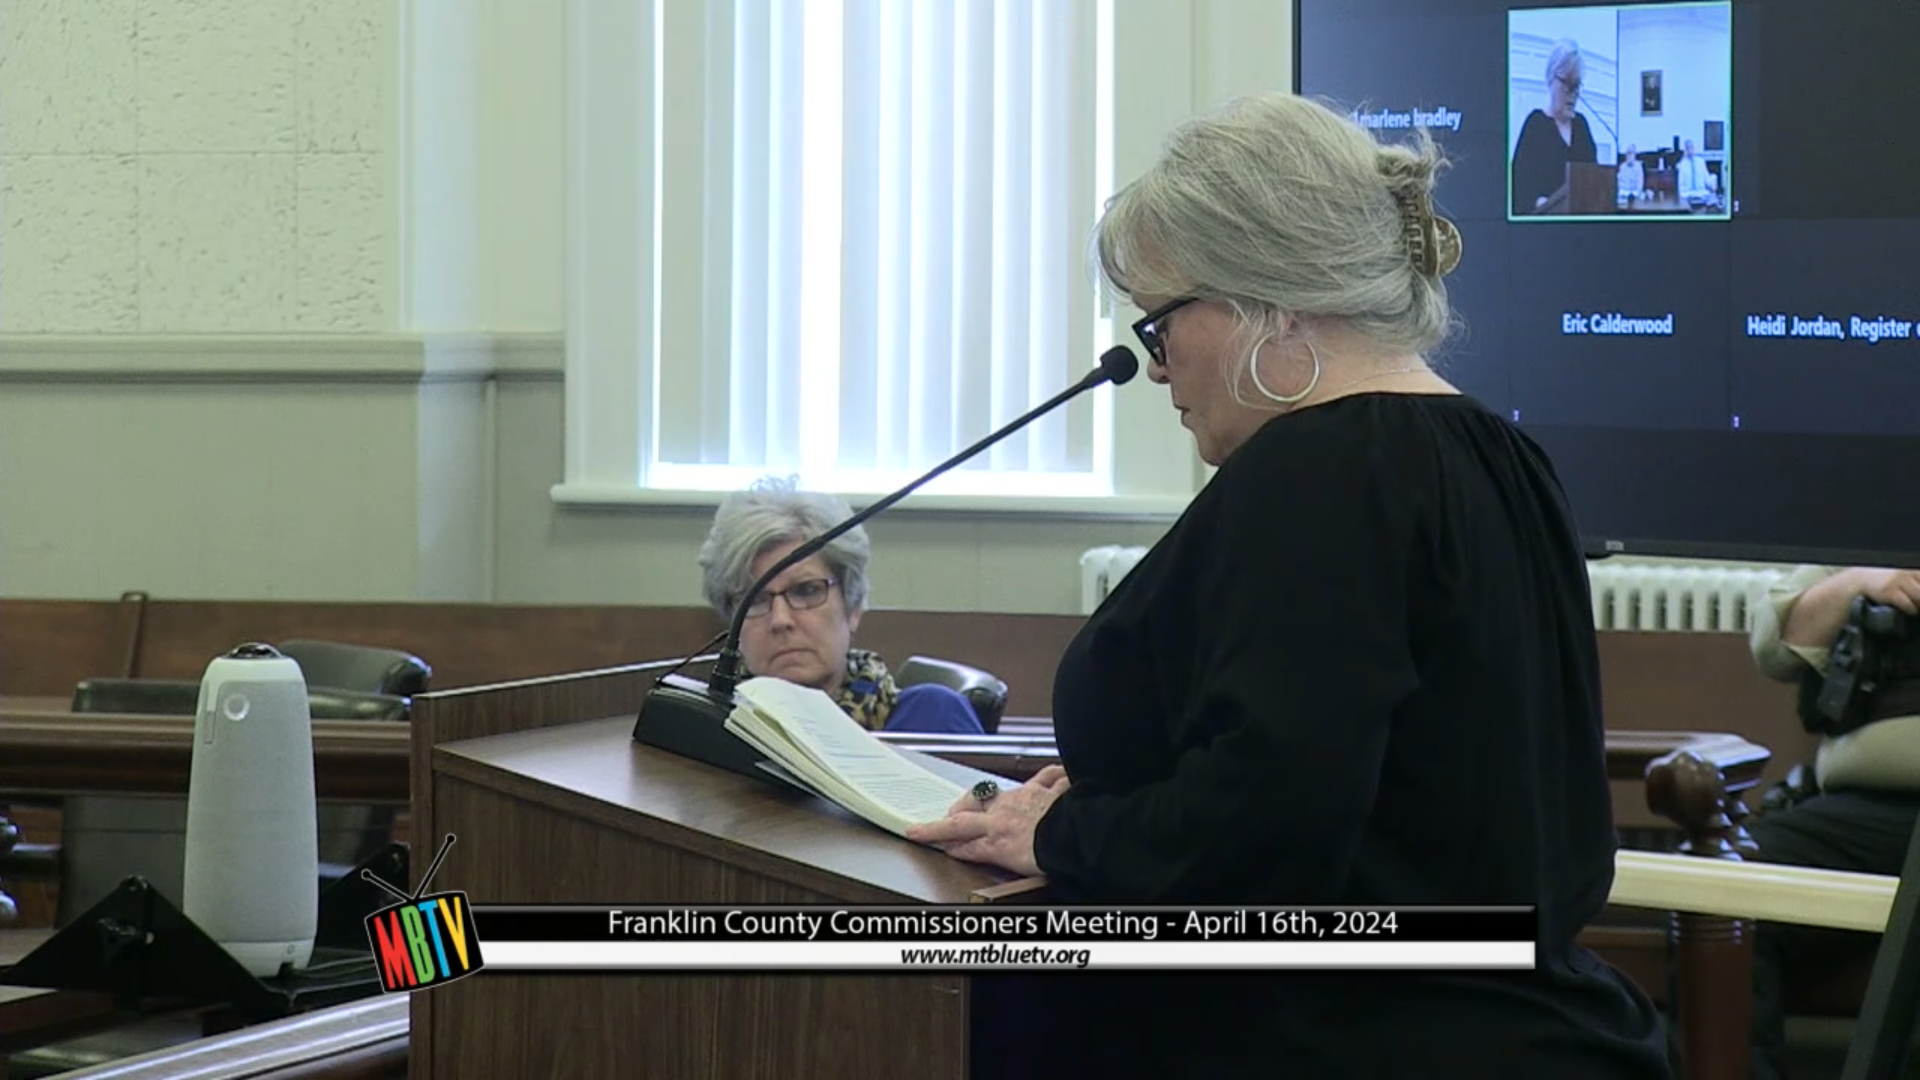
(330, 704)
(31, 862)
(1014, 757)
(984, 691)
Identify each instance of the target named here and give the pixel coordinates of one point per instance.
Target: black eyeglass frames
(800, 595)
(1151, 333)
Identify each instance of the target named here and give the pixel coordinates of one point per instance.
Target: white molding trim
(1105, 508)
(278, 358)
(611, 289)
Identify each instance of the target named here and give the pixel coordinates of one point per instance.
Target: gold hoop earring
(1253, 369)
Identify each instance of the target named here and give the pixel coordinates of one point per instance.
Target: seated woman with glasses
(800, 628)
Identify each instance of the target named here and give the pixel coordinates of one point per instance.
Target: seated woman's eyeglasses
(800, 595)
(1152, 334)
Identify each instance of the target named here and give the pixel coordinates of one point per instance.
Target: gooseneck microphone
(684, 717)
(1595, 113)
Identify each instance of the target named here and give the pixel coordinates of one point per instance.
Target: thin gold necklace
(1367, 378)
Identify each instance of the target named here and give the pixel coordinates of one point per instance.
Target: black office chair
(348, 834)
(985, 692)
(365, 668)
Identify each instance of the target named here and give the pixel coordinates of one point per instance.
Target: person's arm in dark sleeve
(1303, 659)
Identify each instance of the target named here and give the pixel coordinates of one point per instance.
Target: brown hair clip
(1433, 242)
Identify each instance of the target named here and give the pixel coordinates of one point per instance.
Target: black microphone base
(680, 717)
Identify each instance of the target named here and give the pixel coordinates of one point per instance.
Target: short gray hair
(1565, 54)
(1279, 205)
(774, 511)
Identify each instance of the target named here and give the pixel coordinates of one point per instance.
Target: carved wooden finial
(1692, 792)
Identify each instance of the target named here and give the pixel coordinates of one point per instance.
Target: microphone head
(1119, 364)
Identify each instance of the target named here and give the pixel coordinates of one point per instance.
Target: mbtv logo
(426, 939)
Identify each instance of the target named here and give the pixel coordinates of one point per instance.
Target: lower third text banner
(996, 938)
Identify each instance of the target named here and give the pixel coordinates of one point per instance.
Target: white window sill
(1104, 508)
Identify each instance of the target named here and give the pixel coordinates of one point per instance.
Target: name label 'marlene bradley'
(1440, 117)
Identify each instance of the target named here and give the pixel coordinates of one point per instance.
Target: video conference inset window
(1620, 113)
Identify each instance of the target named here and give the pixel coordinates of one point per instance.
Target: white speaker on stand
(252, 858)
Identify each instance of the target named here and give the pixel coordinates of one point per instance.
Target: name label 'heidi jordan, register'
(1873, 330)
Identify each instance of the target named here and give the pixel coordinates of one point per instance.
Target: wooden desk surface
(596, 770)
(46, 748)
(15, 944)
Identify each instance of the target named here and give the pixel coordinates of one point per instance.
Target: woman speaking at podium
(1359, 670)
(1549, 141)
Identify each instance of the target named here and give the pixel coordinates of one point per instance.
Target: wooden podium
(1590, 190)
(571, 810)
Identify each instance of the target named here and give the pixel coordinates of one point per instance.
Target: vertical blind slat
(820, 178)
(785, 213)
(930, 280)
(717, 420)
(969, 387)
(860, 215)
(1047, 196)
(896, 237)
(1015, 296)
(746, 350)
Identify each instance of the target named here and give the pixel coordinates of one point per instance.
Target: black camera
(1876, 647)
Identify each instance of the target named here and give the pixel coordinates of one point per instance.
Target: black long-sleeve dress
(1541, 157)
(1360, 669)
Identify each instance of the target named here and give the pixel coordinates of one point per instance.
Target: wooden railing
(45, 749)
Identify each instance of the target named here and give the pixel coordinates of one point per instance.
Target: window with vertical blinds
(873, 219)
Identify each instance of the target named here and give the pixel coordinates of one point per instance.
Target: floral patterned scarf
(868, 694)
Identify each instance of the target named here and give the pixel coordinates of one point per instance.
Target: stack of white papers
(806, 736)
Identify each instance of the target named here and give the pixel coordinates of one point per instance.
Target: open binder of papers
(810, 742)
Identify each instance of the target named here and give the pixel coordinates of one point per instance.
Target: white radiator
(1627, 595)
(1673, 596)
(1101, 569)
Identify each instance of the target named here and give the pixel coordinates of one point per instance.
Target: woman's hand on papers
(1001, 833)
